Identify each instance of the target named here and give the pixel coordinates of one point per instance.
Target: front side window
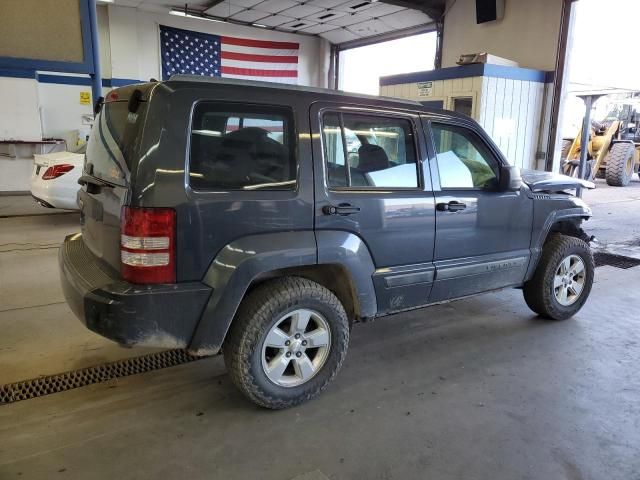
(369, 151)
(464, 160)
(242, 148)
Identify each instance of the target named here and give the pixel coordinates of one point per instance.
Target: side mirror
(510, 179)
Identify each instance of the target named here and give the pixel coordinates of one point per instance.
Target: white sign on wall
(425, 89)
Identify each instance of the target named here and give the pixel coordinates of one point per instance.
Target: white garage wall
(61, 111)
(135, 44)
(19, 118)
(511, 112)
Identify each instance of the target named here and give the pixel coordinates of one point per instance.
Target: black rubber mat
(618, 261)
(37, 387)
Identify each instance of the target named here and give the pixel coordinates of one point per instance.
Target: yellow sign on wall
(85, 98)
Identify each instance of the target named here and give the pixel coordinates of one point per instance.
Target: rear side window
(242, 148)
(111, 143)
(369, 151)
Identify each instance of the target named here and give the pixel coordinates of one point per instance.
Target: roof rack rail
(284, 86)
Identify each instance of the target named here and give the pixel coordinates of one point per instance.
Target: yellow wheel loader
(613, 149)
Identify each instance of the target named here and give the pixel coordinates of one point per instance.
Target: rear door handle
(452, 206)
(342, 209)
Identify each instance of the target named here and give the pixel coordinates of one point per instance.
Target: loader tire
(620, 164)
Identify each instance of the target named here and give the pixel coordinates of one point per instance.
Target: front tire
(287, 342)
(563, 279)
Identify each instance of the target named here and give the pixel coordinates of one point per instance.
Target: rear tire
(559, 271)
(269, 350)
(620, 164)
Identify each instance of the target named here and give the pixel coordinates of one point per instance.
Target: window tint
(111, 142)
(247, 148)
(379, 151)
(464, 160)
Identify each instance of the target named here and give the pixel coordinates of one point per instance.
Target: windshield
(109, 150)
(619, 111)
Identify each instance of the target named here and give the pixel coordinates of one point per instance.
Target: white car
(54, 182)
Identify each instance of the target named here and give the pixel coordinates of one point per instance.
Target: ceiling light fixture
(187, 14)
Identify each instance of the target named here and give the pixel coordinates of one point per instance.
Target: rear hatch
(111, 151)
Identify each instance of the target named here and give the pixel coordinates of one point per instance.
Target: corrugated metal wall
(509, 110)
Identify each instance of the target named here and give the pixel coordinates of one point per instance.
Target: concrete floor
(478, 388)
(24, 205)
(616, 217)
(39, 335)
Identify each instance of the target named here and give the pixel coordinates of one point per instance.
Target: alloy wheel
(296, 347)
(569, 280)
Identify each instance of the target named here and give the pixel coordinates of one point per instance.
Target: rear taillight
(56, 171)
(148, 245)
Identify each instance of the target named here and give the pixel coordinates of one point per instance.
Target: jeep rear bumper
(146, 315)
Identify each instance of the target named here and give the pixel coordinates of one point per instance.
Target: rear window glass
(111, 142)
(242, 148)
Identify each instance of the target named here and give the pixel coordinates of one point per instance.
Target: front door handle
(452, 206)
(342, 209)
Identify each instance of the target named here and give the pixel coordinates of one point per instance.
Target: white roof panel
(249, 15)
(326, 15)
(406, 19)
(354, 6)
(275, 20)
(275, 6)
(370, 28)
(348, 20)
(223, 10)
(245, 3)
(380, 9)
(297, 24)
(301, 11)
(318, 28)
(339, 35)
(325, 3)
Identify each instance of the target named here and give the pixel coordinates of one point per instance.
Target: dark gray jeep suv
(263, 220)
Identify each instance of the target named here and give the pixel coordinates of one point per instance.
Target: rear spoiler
(140, 91)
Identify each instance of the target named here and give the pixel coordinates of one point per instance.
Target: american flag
(185, 51)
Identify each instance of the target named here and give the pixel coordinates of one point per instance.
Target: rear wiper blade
(89, 180)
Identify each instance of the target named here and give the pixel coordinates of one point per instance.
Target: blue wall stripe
(17, 73)
(121, 82)
(65, 79)
(465, 71)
